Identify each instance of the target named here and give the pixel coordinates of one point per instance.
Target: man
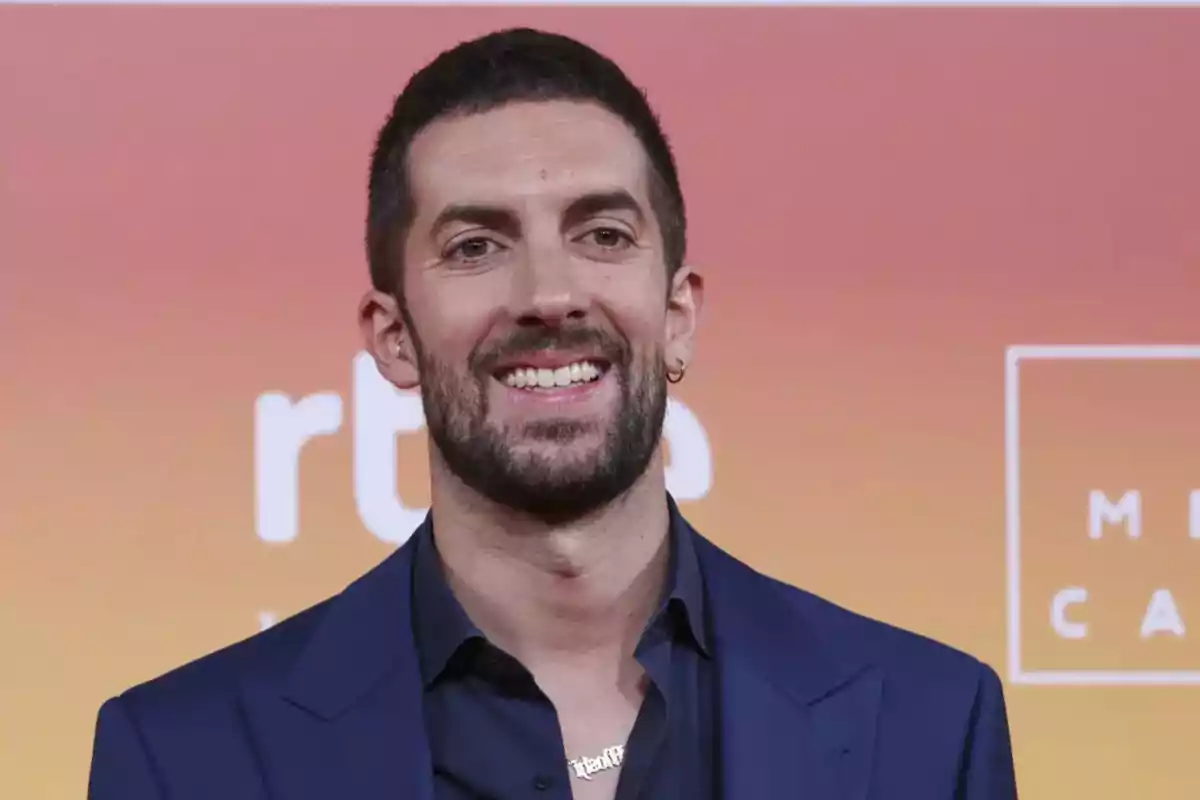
(555, 628)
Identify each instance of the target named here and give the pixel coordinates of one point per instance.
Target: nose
(547, 288)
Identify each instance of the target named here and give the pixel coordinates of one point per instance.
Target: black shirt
(494, 735)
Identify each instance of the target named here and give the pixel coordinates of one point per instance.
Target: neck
(558, 592)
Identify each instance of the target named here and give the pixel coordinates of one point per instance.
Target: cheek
(451, 322)
(643, 323)
(638, 307)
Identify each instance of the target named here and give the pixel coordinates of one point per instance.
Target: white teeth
(528, 377)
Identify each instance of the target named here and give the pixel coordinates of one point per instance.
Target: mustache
(535, 340)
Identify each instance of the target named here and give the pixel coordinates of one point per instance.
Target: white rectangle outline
(1012, 473)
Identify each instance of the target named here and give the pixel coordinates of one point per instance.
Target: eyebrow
(595, 203)
(485, 216)
(503, 219)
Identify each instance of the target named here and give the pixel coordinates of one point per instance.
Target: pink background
(882, 201)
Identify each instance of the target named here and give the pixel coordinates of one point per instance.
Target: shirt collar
(685, 582)
(441, 626)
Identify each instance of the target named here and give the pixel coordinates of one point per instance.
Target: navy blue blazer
(815, 702)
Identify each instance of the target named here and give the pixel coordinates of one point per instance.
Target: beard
(549, 485)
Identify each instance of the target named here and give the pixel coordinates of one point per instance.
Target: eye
(609, 238)
(471, 249)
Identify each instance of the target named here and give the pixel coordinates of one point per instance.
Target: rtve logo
(381, 413)
(1103, 514)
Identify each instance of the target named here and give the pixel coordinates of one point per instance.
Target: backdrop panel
(883, 202)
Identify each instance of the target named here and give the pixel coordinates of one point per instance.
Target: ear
(685, 300)
(387, 336)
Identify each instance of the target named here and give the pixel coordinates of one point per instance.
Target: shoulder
(216, 677)
(904, 652)
(940, 709)
(271, 657)
(156, 729)
(922, 672)
(911, 663)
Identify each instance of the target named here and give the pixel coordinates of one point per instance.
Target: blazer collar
(798, 697)
(344, 720)
(775, 629)
(365, 634)
(367, 631)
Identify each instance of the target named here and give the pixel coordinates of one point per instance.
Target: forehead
(524, 152)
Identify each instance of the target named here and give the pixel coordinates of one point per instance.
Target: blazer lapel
(797, 711)
(797, 708)
(347, 720)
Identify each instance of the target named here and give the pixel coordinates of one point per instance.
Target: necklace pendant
(585, 767)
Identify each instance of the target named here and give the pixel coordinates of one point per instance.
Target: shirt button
(542, 782)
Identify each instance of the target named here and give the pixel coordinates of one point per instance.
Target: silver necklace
(585, 767)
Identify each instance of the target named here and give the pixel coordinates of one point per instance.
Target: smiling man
(555, 628)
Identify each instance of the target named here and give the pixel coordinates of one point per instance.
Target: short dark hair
(513, 65)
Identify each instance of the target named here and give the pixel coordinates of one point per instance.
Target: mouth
(545, 378)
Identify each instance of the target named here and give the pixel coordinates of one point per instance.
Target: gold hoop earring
(676, 375)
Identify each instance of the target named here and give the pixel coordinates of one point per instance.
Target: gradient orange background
(882, 200)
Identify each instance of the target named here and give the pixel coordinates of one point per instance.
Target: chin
(572, 461)
(559, 496)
